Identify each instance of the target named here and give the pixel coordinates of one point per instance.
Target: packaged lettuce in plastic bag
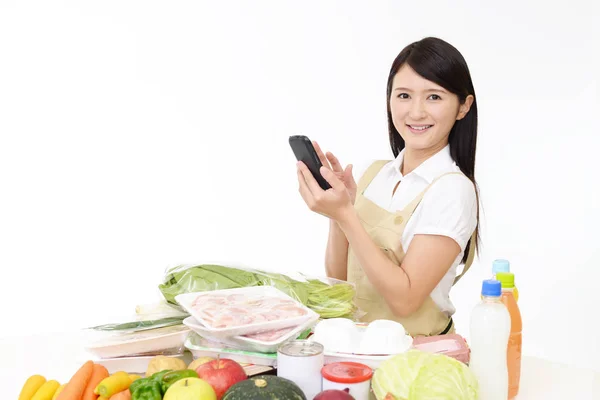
(329, 298)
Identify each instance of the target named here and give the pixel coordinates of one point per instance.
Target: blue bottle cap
(492, 288)
(500, 266)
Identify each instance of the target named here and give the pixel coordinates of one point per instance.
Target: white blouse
(449, 207)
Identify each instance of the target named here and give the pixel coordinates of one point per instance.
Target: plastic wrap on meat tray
(329, 298)
(262, 341)
(232, 310)
(453, 345)
(236, 312)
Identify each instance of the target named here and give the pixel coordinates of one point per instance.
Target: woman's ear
(465, 107)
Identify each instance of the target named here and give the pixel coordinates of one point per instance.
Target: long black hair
(440, 62)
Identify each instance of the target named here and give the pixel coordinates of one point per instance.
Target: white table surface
(58, 356)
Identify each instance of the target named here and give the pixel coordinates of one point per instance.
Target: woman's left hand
(334, 203)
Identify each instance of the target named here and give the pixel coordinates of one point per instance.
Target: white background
(136, 135)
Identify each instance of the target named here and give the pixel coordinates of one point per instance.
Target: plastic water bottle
(507, 280)
(490, 330)
(502, 265)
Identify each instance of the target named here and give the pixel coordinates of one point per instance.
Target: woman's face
(422, 111)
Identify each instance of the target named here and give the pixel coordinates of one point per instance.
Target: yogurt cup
(348, 375)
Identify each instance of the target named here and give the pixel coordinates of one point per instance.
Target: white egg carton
(223, 304)
(368, 344)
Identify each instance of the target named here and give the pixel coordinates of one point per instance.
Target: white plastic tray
(254, 294)
(251, 344)
(140, 343)
(265, 359)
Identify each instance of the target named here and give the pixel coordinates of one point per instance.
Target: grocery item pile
(227, 333)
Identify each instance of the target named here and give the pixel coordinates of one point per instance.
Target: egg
(336, 335)
(383, 337)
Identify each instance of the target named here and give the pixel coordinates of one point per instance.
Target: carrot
(98, 374)
(78, 382)
(122, 395)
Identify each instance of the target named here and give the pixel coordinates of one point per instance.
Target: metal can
(301, 362)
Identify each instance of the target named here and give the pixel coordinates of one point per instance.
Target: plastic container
(243, 311)
(490, 329)
(379, 338)
(346, 336)
(501, 265)
(451, 345)
(135, 365)
(348, 375)
(253, 342)
(513, 354)
(194, 344)
(161, 341)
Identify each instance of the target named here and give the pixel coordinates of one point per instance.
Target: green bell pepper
(174, 376)
(149, 390)
(148, 385)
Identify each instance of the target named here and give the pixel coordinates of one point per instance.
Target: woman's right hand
(344, 174)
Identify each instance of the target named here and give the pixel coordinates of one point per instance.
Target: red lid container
(346, 372)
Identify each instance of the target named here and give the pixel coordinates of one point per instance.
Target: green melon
(265, 387)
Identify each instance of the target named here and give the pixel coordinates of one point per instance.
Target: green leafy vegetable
(416, 375)
(328, 300)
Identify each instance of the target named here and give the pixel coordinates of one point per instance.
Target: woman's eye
(435, 97)
(403, 96)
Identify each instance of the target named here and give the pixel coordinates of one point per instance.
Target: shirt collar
(436, 165)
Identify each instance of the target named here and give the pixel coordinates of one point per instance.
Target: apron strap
(412, 206)
(470, 258)
(369, 175)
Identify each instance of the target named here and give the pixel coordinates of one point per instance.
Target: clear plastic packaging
(452, 345)
(243, 311)
(135, 365)
(167, 340)
(330, 298)
(196, 345)
(262, 342)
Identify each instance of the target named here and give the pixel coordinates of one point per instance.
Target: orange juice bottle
(513, 355)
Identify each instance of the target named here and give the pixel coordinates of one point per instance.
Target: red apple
(221, 374)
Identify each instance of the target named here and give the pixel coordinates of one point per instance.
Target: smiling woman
(401, 233)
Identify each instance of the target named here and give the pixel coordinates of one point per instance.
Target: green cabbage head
(418, 375)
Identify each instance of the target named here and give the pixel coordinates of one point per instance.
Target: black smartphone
(305, 152)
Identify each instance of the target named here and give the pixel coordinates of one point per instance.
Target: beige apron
(386, 228)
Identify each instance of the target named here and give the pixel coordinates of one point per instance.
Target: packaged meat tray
(195, 345)
(452, 345)
(262, 342)
(244, 311)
